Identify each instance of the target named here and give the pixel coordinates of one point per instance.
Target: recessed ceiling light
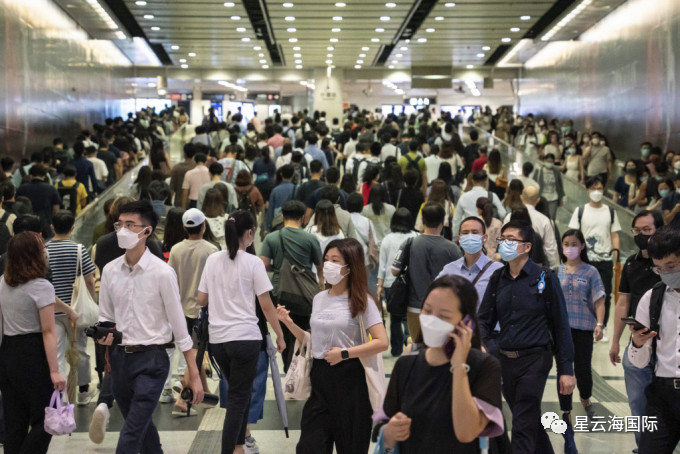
(260, 54)
(360, 62)
(288, 5)
(385, 18)
(395, 61)
(480, 55)
(362, 55)
(182, 60)
(403, 48)
(263, 61)
(292, 40)
(229, 4)
(449, 4)
(390, 4)
(240, 29)
(297, 55)
(429, 30)
(298, 66)
(399, 55)
(335, 30)
(365, 48)
(439, 18)
(329, 62)
(422, 40)
(329, 55)
(289, 18)
(391, 67)
(175, 47)
(340, 4)
(257, 48)
(155, 28)
(291, 30)
(506, 40)
(486, 48)
(140, 3)
(296, 48)
(375, 40)
(514, 29)
(235, 17)
(148, 16)
(334, 40)
(330, 48)
(525, 17)
(245, 40)
(379, 30)
(192, 54)
(298, 61)
(265, 66)
(337, 18)
(357, 66)
(470, 66)
(185, 66)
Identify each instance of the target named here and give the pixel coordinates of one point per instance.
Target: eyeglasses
(672, 269)
(502, 240)
(644, 230)
(128, 225)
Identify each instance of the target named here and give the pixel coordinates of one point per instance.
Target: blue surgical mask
(508, 251)
(663, 192)
(645, 152)
(643, 179)
(471, 243)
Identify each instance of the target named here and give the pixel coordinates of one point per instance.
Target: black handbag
(297, 285)
(397, 303)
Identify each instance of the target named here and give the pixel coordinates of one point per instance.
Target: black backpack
(69, 196)
(580, 215)
(4, 232)
(245, 203)
(355, 168)
(412, 163)
(655, 303)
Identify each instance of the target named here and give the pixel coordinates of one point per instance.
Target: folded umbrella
(278, 387)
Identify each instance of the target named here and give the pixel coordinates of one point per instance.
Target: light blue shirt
(459, 268)
(467, 206)
(316, 153)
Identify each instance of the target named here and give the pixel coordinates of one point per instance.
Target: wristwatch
(344, 354)
(601, 325)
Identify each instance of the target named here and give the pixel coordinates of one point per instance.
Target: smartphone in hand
(630, 321)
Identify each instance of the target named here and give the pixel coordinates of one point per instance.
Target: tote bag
(298, 384)
(375, 372)
(59, 420)
(81, 300)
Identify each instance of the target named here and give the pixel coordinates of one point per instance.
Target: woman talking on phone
(448, 394)
(338, 410)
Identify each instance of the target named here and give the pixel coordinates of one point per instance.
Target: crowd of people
(354, 221)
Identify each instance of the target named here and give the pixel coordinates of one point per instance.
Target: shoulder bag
(400, 291)
(298, 384)
(375, 372)
(81, 300)
(297, 285)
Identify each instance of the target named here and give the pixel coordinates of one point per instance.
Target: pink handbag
(59, 420)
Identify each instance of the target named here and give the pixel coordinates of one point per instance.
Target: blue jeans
(637, 381)
(256, 411)
(398, 331)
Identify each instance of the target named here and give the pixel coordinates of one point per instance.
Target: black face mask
(641, 241)
(631, 171)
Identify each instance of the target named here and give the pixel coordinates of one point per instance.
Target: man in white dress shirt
(467, 204)
(140, 295)
(659, 312)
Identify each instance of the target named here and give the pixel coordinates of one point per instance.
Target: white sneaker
(99, 423)
(605, 338)
(167, 397)
(85, 398)
(250, 447)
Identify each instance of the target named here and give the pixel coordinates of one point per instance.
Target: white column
(196, 114)
(328, 93)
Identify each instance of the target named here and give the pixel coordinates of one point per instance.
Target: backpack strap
(580, 216)
(655, 304)
(4, 217)
(481, 272)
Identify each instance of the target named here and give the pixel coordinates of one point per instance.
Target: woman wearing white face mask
(230, 282)
(338, 411)
(599, 159)
(450, 393)
(572, 160)
(584, 296)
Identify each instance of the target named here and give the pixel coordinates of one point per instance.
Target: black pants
(338, 411)
(26, 390)
(138, 380)
(663, 402)
(398, 330)
(238, 361)
(524, 380)
(583, 355)
(303, 322)
(606, 270)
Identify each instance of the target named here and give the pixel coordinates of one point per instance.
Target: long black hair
(234, 228)
(174, 229)
(377, 198)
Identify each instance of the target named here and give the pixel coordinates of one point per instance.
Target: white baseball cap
(193, 217)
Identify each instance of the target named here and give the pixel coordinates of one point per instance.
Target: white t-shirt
(324, 240)
(432, 163)
(332, 324)
(597, 227)
(232, 286)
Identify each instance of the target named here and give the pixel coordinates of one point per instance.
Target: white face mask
(332, 272)
(596, 196)
(596, 141)
(127, 239)
(435, 330)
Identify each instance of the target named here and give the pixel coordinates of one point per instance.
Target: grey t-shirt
(20, 305)
(301, 247)
(429, 255)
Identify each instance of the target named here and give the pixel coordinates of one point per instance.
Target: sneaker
(179, 411)
(605, 338)
(590, 410)
(85, 398)
(250, 447)
(167, 397)
(99, 423)
(569, 443)
(177, 387)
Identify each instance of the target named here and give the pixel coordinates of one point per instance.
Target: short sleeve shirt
(63, 257)
(301, 247)
(597, 227)
(232, 301)
(20, 305)
(668, 204)
(332, 323)
(581, 289)
(636, 278)
(194, 180)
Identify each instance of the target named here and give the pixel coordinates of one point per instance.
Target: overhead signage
(264, 96)
(417, 101)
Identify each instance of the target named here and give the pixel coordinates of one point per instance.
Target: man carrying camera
(139, 298)
(659, 339)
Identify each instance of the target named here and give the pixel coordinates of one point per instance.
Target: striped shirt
(581, 290)
(63, 257)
